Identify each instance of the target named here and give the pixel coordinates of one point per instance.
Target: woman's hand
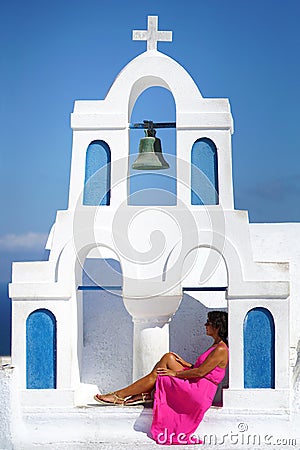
(164, 371)
(181, 360)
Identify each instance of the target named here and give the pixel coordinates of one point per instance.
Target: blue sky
(55, 52)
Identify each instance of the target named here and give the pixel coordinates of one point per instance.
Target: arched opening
(259, 349)
(97, 174)
(153, 187)
(107, 329)
(204, 285)
(205, 277)
(41, 350)
(204, 173)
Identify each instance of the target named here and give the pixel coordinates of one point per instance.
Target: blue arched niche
(41, 350)
(204, 173)
(259, 349)
(97, 174)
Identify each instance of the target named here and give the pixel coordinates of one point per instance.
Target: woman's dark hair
(219, 319)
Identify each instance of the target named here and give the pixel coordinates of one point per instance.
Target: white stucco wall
(280, 242)
(11, 426)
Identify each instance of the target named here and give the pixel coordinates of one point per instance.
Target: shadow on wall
(108, 338)
(107, 341)
(188, 337)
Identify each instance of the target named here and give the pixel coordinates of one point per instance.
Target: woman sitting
(183, 391)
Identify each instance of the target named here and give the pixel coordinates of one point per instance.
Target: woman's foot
(110, 399)
(138, 399)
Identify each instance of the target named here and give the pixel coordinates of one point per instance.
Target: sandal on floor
(141, 401)
(114, 403)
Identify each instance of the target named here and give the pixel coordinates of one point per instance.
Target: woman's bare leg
(145, 384)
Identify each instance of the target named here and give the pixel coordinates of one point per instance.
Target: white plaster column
(151, 317)
(150, 342)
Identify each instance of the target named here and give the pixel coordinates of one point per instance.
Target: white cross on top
(152, 35)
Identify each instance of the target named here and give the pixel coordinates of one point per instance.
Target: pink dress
(180, 404)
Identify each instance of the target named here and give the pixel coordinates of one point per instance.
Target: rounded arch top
(153, 69)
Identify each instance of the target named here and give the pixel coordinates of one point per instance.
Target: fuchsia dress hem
(180, 404)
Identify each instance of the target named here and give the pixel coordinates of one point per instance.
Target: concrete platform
(93, 426)
(115, 427)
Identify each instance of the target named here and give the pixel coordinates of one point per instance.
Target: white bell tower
(157, 248)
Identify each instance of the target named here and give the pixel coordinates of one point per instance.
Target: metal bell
(150, 154)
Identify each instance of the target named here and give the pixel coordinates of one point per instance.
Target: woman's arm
(215, 358)
(182, 361)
